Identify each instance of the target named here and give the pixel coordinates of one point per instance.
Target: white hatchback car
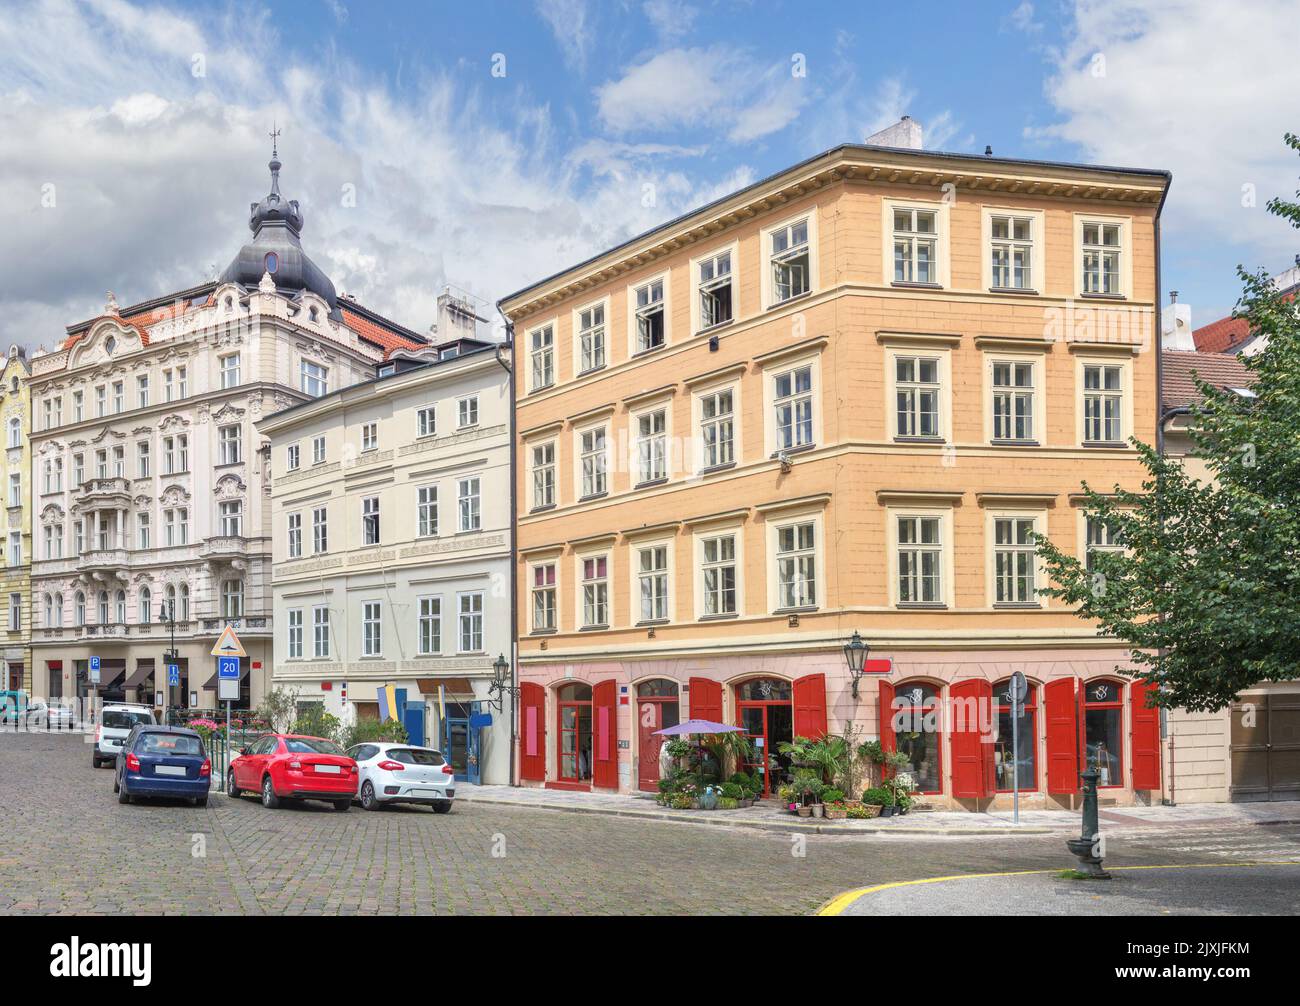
(402, 773)
(115, 722)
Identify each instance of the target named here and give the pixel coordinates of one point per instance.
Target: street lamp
(167, 615)
(501, 685)
(855, 655)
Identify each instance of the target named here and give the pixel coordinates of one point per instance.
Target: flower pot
(873, 810)
(817, 810)
(886, 811)
(836, 813)
(805, 812)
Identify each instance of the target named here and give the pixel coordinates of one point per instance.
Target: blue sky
(485, 145)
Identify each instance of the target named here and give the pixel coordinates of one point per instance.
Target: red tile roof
(378, 330)
(1223, 370)
(1223, 336)
(142, 316)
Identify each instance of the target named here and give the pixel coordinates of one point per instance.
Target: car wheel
(123, 796)
(194, 801)
(442, 807)
(232, 790)
(116, 787)
(343, 806)
(269, 800)
(368, 801)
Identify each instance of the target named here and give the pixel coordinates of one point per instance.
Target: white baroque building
(149, 488)
(391, 544)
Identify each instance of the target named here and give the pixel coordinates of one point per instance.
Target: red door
(972, 739)
(1145, 737)
(604, 711)
(653, 714)
(532, 731)
(1061, 715)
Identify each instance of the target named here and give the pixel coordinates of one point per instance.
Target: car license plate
(330, 769)
(169, 770)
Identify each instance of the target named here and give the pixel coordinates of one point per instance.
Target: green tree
(1207, 591)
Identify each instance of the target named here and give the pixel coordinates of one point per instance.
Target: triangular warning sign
(228, 644)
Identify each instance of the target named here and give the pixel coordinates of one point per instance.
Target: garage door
(1266, 748)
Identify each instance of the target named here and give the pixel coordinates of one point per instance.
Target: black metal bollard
(1086, 846)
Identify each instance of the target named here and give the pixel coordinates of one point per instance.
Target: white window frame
(1124, 272)
(943, 515)
(469, 503)
(991, 518)
(944, 356)
(230, 450)
(313, 378)
(320, 526)
(771, 373)
(293, 645)
(776, 524)
(582, 582)
(369, 436)
(700, 540)
(293, 525)
(698, 286)
(318, 450)
(698, 421)
(552, 588)
(634, 347)
(662, 605)
(467, 412)
(470, 617)
(1037, 395)
(601, 330)
(231, 518)
(943, 255)
(293, 457)
(600, 459)
(542, 477)
(652, 453)
(426, 511)
(767, 283)
(1125, 365)
(320, 639)
(372, 628)
(1037, 245)
(229, 366)
(542, 364)
(426, 421)
(428, 630)
(371, 514)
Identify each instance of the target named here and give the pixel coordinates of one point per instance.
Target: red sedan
(293, 767)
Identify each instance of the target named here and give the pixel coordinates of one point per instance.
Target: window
(652, 446)
(78, 406)
(319, 531)
(649, 316)
(1013, 400)
(652, 582)
(313, 379)
(1103, 728)
(791, 268)
(714, 275)
(185, 603)
(471, 622)
(430, 625)
(15, 489)
(793, 404)
(595, 592)
(176, 456)
(78, 470)
(543, 589)
(1101, 251)
(230, 443)
(593, 461)
(1018, 764)
(144, 530)
(169, 384)
(369, 436)
(232, 598)
(295, 633)
(292, 457)
(54, 475)
(15, 548)
(15, 612)
(426, 420)
(1100, 536)
(915, 245)
(79, 608)
(370, 520)
(719, 575)
(320, 620)
(796, 566)
(119, 607)
(232, 518)
(230, 371)
(15, 428)
(591, 338)
(119, 396)
(467, 412)
(1103, 403)
(544, 475)
(176, 528)
(101, 401)
(295, 535)
(1011, 252)
(142, 390)
(371, 637)
(51, 419)
(317, 450)
(717, 423)
(1014, 564)
(119, 462)
(102, 532)
(78, 537)
(467, 498)
(53, 541)
(917, 733)
(142, 467)
(426, 498)
(916, 387)
(542, 356)
(920, 561)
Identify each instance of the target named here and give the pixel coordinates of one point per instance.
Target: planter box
(836, 813)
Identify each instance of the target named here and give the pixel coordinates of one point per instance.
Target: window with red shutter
(604, 710)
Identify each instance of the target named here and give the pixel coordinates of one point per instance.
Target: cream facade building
(390, 539)
(149, 481)
(15, 473)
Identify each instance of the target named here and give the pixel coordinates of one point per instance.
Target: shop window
(574, 711)
(917, 724)
(1021, 765)
(1103, 713)
(765, 690)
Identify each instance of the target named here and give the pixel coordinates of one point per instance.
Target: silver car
(42, 715)
(403, 773)
(115, 722)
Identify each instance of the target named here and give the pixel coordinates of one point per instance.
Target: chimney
(1176, 326)
(906, 132)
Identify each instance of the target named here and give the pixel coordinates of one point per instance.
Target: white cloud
(1022, 19)
(568, 21)
(1200, 89)
(670, 18)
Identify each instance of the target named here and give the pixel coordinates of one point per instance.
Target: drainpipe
(514, 544)
(1161, 416)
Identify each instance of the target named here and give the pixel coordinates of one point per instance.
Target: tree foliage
(1207, 591)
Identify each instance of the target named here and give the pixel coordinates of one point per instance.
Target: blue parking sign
(94, 663)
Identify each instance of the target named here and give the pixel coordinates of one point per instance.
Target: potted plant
(789, 798)
(882, 797)
(833, 802)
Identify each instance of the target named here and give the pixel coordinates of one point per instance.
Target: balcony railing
(105, 489)
(223, 545)
(105, 558)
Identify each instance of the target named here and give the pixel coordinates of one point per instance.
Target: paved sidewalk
(769, 816)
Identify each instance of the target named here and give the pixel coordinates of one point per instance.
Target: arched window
(58, 610)
(49, 610)
(145, 606)
(1103, 718)
(103, 607)
(1025, 759)
(170, 598)
(15, 432)
(185, 603)
(79, 602)
(120, 607)
(918, 728)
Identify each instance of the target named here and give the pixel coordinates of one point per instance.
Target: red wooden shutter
(1145, 737)
(810, 706)
(706, 700)
(604, 713)
(1060, 710)
(888, 742)
(971, 775)
(532, 731)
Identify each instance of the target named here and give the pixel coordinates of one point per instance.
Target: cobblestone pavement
(68, 846)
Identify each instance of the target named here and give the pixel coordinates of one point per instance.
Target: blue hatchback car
(163, 761)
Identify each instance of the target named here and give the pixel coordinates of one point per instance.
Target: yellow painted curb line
(840, 902)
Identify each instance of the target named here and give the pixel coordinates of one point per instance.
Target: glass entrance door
(764, 709)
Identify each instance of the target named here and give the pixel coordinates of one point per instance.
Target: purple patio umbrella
(698, 727)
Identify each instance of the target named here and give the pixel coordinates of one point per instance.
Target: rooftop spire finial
(274, 134)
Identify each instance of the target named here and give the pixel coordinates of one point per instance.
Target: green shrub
(681, 801)
(732, 791)
(314, 721)
(727, 803)
(832, 795)
(878, 795)
(367, 731)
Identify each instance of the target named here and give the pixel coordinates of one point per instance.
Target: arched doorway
(765, 709)
(573, 714)
(1010, 766)
(918, 731)
(1103, 730)
(656, 709)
